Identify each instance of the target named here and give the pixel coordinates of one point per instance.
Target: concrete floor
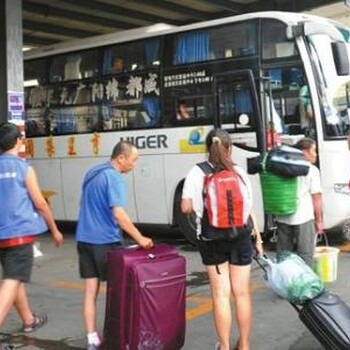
(57, 290)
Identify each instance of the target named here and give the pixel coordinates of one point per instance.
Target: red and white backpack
(225, 196)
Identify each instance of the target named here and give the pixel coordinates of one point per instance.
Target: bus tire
(186, 223)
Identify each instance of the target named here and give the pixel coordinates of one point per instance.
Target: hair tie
(216, 139)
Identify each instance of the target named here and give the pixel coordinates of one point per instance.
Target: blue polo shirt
(18, 216)
(103, 188)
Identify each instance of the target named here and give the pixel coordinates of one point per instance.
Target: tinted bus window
(188, 97)
(74, 66)
(131, 56)
(230, 41)
(236, 102)
(35, 72)
(274, 40)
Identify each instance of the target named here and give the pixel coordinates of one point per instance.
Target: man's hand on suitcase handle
(145, 242)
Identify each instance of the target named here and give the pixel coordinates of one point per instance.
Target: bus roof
(161, 29)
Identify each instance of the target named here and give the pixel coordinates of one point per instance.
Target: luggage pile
(278, 170)
(322, 312)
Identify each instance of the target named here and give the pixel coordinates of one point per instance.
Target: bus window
(274, 40)
(36, 102)
(193, 108)
(225, 42)
(291, 101)
(236, 104)
(75, 119)
(36, 124)
(183, 110)
(131, 57)
(131, 114)
(341, 104)
(131, 101)
(74, 66)
(35, 72)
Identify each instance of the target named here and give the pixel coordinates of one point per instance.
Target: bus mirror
(340, 56)
(294, 31)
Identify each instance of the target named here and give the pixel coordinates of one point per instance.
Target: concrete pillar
(11, 62)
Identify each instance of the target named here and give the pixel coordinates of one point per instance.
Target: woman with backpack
(226, 248)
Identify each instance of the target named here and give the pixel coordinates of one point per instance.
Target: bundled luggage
(324, 314)
(278, 170)
(145, 303)
(283, 160)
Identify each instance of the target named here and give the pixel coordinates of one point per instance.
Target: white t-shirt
(307, 185)
(193, 189)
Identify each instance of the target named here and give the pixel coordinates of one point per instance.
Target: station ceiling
(47, 22)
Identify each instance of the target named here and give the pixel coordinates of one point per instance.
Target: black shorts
(17, 262)
(93, 259)
(237, 252)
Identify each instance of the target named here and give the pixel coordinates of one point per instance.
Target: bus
(263, 77)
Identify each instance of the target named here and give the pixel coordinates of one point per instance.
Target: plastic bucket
(326, 263)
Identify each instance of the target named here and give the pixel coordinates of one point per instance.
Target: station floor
(57, 290)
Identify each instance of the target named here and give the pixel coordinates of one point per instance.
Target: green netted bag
(279, 193)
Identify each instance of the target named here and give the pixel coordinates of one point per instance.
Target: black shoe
(38, 322)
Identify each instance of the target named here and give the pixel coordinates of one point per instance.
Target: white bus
(164, 87)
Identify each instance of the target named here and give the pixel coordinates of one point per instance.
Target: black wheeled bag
(328, 319)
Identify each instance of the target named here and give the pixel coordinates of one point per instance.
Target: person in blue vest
(24, 215)
(102, 218)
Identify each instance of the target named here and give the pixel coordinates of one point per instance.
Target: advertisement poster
(16, 107)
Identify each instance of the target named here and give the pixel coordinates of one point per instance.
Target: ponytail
(219, 146)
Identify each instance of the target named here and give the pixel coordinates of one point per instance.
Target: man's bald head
(124, 148)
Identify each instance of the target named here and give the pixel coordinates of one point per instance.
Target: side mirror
(341, 59)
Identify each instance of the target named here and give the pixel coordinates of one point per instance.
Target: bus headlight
(342, 189)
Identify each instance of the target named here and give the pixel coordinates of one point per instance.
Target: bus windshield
(332, 89)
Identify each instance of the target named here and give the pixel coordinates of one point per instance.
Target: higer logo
(152, 141)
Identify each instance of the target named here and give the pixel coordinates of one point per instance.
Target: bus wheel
(186, 223)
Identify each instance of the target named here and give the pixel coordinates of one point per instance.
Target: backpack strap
(206, 168)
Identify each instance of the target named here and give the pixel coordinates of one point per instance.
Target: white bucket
(326, 263)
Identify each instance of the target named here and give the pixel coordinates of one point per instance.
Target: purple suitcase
(145, 303)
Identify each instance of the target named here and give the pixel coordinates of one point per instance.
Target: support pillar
(11, 62)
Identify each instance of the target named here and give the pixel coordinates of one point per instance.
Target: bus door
(238, 109)
(238, 112)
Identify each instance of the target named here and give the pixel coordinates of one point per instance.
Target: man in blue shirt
(102, 218)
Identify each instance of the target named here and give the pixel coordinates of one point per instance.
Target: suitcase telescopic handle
(262, 261)
(135, 246)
